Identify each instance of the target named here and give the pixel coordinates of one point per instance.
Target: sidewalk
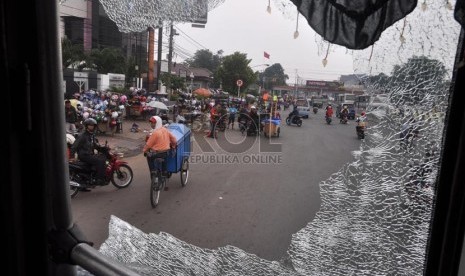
(126, 142)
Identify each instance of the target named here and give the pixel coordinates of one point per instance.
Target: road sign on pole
(239, 84)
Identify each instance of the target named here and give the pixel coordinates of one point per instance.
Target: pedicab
(177, 161)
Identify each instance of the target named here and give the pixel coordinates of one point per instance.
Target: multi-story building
(86, 23)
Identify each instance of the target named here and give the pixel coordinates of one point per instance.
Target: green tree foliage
(272, 76)
(419, 81)
(206, 59)
(131, 71)
(108, 60)
(378, 82)
(233, 68)
(176, 82)
(71, 54)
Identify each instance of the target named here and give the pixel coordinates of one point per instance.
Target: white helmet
(70, 138)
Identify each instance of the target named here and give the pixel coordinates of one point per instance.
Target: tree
(71, 54)
(176, 82)
(233, 68)
(378, 82)
(273, 75)
(417, 81)
(108, 60)
(205, 59)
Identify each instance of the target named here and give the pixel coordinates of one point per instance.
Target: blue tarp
(183, 139)
(273, 121)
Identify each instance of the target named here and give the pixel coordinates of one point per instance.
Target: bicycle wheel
(154, 190)
(184, 171)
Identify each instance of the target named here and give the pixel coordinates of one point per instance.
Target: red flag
(266, 55)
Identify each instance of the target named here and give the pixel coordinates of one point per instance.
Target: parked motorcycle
(82, 175)
(296, 120)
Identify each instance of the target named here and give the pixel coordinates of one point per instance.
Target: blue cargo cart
(175, 161)
(178, 161)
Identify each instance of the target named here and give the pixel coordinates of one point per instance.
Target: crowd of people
(223, 115)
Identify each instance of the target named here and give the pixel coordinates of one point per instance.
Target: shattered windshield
(375, 210)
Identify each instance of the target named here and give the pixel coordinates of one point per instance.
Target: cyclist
(158, 144)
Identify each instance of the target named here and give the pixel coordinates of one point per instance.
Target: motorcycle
(360, 132)
(315, 110)
(242, 125)
(343, 119)
(82, 175)
(328, 119)
(221, 124)
(296, 120)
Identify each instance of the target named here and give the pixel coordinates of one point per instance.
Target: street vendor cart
(134, 111)
(271, 127)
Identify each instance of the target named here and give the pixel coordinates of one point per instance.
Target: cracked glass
(376, 210)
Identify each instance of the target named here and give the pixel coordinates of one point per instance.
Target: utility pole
(160, 37)
(151, 48)
(170, 60)
(296, 80)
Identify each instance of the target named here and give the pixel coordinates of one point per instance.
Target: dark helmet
(90, 121)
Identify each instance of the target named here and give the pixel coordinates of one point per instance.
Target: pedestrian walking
(71, 118)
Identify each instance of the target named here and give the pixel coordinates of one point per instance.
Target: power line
(198, 44)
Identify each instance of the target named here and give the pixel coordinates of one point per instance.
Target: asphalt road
(254, 201)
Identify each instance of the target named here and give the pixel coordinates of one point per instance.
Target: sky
(247, 27)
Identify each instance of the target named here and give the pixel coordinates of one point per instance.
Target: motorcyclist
(329, 111)
(293, 114)
(361, 122)
(85, 146)
(254, 118)
(243, 118)
(344, 113)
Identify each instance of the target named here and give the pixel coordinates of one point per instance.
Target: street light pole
(192, 81)
(137, 75)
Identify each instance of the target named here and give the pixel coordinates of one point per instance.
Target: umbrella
(75, 102)
(157, 104)
(202, 92)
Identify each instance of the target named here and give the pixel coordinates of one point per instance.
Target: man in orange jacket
(160, 142)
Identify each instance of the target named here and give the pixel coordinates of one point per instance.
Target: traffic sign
(239, 83)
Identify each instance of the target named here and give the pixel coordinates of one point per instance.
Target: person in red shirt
(329, 114)
(214, 116)
(329, 111)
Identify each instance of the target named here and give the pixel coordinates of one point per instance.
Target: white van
(303, 106)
